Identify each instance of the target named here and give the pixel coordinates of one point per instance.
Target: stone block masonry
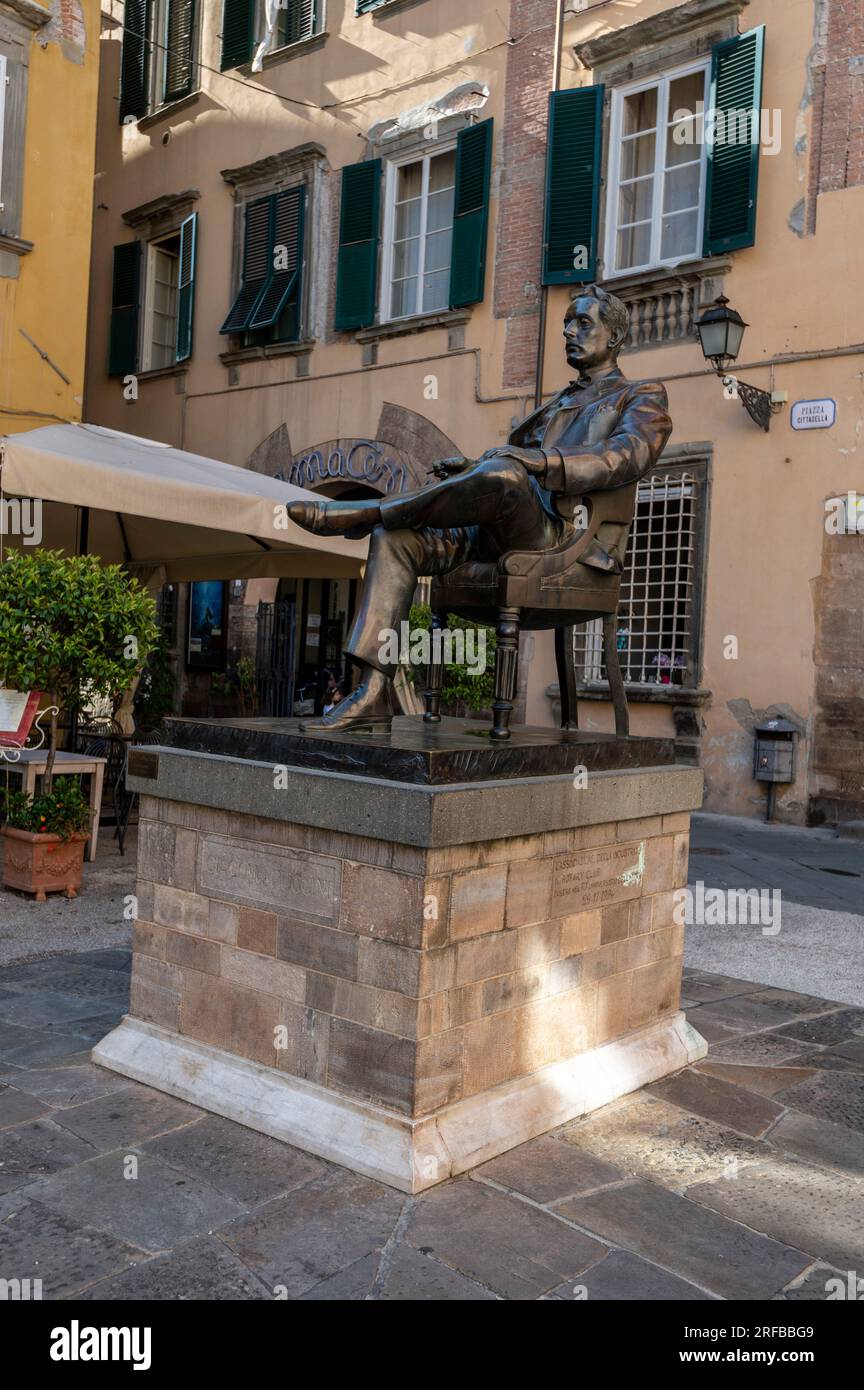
(422, 987)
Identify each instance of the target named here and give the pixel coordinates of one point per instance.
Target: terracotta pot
(43, 864)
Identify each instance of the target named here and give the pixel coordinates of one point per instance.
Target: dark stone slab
(157, 1210)
(547, 1169)
(48, 1007)
(812, 1209)
(16, 1107)
(765, 1081)
(404, 1276)
(719, 1100)
(65, 1254)
(296, 1241)
(454, 751)
(36, 1047)
(203, 1270)
(753, 1049)
(709, 988)
(820, 1141)
(741, 1014)
(697, 1244)
(836, 1027)
(133, 1114)
(109, 959)
(70, 1085)
(832, 1095)
(35, 1150)
(517, 1250)
(792, 1003)
(249, 1167)
(625, 1277)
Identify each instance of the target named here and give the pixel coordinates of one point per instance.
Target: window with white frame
(161, 290)
(418, 234)
(659, 613)
(2, 123)
(656, 195)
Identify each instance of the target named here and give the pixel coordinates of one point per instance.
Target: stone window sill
(260, 353)
(168, 111)
(419, 323)
(285, 53)
(392, 7)
(16, 245)
(638, 694)
(667, 277)
(155, 373)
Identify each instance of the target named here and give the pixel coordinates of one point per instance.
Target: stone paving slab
(719, 1255)
(820, 1211)
(739, 1177)
(625, 1277)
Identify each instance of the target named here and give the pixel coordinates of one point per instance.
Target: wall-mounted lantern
(721, 332)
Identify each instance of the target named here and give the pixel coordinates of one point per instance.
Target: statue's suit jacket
(601, 435)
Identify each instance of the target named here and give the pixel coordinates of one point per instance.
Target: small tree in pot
(76, 630)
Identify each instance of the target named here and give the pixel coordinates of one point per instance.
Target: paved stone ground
(30, 930)
(741, 1177)
(820, 945)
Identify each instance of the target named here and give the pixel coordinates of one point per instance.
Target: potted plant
(45, 838)
(76, 630)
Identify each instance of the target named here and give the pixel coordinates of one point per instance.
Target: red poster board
(18, 709)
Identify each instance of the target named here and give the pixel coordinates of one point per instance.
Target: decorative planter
(43, 864)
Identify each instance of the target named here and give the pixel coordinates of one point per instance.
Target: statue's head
(596, 325)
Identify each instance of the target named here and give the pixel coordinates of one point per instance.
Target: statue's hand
(445, 467)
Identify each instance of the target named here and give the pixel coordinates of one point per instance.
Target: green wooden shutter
(135, 59)
(470, 214)
(366, 6)
(287, 217)
(733, 166)
(180, 57)
(186, 286)
(357, 274)
(238, 36)
(257, 263)
(572, 184)
(296, 20)
(123, 344)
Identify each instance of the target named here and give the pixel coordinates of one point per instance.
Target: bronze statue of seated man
(600, 432)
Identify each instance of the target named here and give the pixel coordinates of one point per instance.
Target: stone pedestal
(405, 977)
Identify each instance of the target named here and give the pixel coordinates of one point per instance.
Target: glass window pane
(685, 92)
(439, 212)
(409, 181)
(404, 299)
(635, 201)
(438, 250)
(408, 219)
(442, 171)
(682, 188)
(640, 111)
(406, 257)
(638, 156)
(680, 235)
(634, 247)
(436, 290)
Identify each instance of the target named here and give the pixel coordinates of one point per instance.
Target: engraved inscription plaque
(267, 876)
(595, 877)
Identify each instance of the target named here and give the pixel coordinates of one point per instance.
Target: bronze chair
(538, 590)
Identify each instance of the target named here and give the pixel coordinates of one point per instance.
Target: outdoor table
(31, 765)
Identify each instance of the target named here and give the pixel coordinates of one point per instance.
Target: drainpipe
(544, 289)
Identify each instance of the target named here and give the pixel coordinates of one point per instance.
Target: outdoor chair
(539, 590)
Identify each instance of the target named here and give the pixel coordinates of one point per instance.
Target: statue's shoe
(364, 709)
(351, 519)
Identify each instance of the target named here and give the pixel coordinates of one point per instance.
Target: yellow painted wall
(48, 299)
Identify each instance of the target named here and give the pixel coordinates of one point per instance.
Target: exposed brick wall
(840, 140)
(523, 166)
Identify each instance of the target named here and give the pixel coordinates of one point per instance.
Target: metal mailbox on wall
(774, 751)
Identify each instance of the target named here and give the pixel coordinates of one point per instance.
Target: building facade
(335, 242)
(49, 60)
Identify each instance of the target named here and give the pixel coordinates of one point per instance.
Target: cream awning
(168, 515)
